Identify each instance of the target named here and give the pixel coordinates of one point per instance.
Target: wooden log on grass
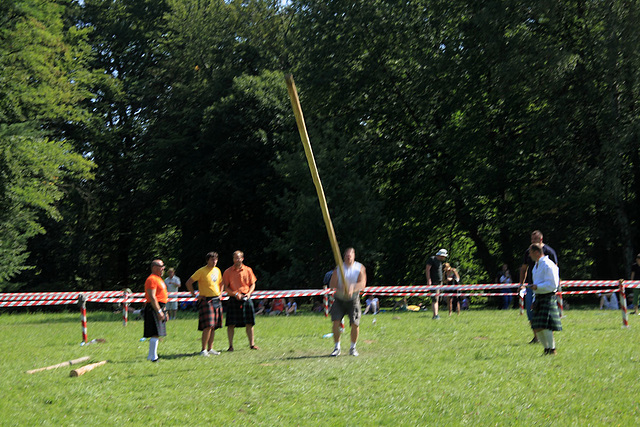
(60, 365)
(84, 369)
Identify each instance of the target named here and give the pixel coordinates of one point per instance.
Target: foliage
(41, 81)
(411, 371)
(463, 125)
(480, 118)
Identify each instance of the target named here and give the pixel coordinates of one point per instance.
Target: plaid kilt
(545, 312)
(209, 313)
(153, 326)
(240, 313)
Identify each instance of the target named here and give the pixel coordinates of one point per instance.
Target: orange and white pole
(83, 317)
(560, 303)
(623, 305)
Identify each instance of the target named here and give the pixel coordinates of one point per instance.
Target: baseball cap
(442, 252)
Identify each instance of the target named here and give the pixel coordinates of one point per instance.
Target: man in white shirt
(173, 283)
(546, 280)
(347, 299)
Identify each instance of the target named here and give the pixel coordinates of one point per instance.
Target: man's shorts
(352, 308)
(209, 313)
(240, 313)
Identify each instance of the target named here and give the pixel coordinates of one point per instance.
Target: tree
(42, 79)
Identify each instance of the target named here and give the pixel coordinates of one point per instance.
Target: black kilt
(545, 312)
(153, 326)
(209, 313)
(240, 313)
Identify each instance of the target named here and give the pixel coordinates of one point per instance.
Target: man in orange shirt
(155, 318)
(239, 283)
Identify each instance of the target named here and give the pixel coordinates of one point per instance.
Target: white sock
(353, 345)
(549, 336)
(542, 338)
(337, 347)
(153, 349)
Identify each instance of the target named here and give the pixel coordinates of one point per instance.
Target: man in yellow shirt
(209, 280)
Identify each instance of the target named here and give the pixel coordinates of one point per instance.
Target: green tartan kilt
(545, 313)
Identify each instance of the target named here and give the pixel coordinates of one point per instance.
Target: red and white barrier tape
(117, 297)
(36, 303)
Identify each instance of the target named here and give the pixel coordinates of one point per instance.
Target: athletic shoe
(204, 353)
(230, 348)
(552, 352)
(353, 352)
(254, 347)
(535, 340)
(154, 360)
(215, 353)
(436, 317)
(335, 352)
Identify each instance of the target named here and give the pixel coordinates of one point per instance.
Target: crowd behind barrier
(124, 298)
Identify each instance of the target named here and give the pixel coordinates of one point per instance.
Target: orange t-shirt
(155, 282)
(238, 280)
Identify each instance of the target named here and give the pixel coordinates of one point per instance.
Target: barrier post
(125, 307)
(326, 305)
(560, 302)
(82, 302)
(623, 305)
(521, 296)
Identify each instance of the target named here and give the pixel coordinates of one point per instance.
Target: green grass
(473, 369)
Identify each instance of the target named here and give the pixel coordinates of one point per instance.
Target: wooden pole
(84, 369)
(302, 129)
(60, 365)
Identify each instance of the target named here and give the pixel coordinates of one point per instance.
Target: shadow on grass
(162, 356)
(179, 355)
(317, 356)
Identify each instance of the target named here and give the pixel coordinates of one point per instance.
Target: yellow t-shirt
(209, 280)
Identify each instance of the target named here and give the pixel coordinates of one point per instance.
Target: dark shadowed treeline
(134, 129)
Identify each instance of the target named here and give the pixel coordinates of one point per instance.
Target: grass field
(473, 369)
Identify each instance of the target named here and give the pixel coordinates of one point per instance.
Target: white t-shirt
(172, 283)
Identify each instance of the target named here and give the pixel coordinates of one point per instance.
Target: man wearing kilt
(239, 282)
(209, 280)
(155, 318)
(526, 271)
(546, 317)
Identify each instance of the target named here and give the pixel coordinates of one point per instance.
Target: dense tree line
(131, 129)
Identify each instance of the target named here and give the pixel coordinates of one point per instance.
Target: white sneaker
(215, 353)
(353, 352)
(335, 352)
(204, 353)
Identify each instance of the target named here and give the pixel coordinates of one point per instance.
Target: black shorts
(240, 313)
(153, 326)
(209, 313)
(352, 308)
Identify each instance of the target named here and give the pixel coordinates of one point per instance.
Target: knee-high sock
(153, 349)
(548, 333)
(542, 338)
